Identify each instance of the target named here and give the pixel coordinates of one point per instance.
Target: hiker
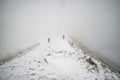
(63, 37)
(48, 40)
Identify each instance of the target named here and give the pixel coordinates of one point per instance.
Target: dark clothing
(63, 36)
(48, 40)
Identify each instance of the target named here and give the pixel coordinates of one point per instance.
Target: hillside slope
(56, 60)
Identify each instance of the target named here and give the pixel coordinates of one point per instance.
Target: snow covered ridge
(99, 57)
(56, 60)
(16, 54)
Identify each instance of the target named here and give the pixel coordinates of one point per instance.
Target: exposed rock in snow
(57, 60)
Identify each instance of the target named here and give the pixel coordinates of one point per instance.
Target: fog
(95, 23)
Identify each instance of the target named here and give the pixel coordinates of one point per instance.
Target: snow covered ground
(57, 60)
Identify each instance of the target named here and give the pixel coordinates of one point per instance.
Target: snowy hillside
(56, 60)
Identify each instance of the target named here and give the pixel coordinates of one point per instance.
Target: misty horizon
(94, 23)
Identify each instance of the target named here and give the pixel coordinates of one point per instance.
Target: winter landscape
(59, 39)
(56, 59)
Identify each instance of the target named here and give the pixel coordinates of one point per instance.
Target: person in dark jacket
(63, 37)
(48, 40)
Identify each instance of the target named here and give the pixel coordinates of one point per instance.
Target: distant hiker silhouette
(63, 37)
(48, 40)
